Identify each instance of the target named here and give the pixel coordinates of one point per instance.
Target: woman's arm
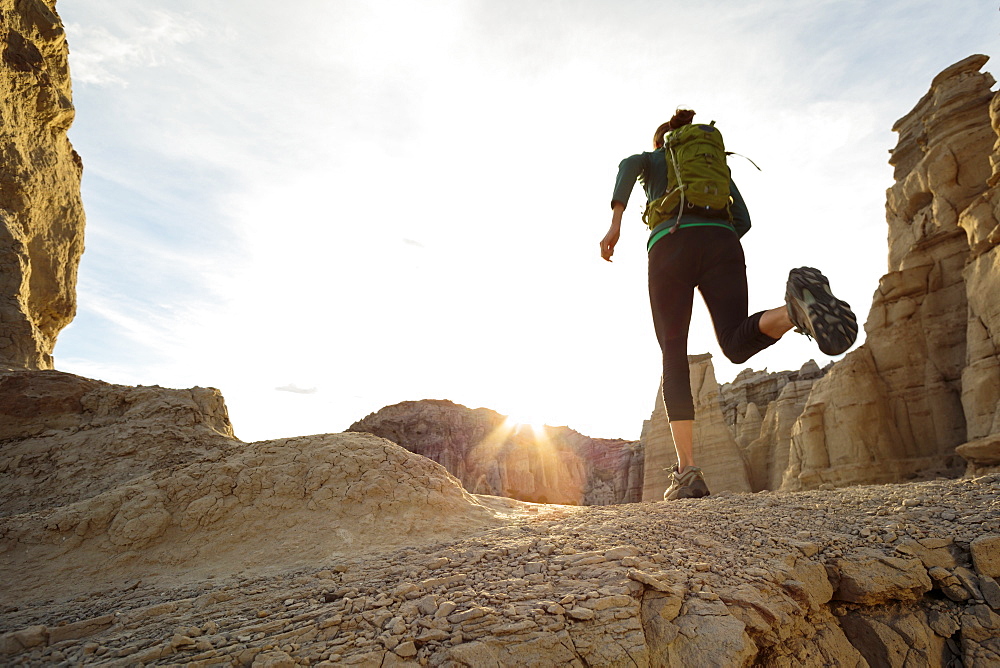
(741, 216)
(611, 238)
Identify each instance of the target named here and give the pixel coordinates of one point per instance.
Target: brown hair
(680, 118)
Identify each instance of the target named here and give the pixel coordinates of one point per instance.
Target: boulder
(871, 578)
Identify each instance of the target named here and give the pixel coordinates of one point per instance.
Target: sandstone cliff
(926, 383)
(981, 374)
(41, 236)
(761, 409)
(490, 455)
(927, 378)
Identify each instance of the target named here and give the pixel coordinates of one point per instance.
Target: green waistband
(664, 231)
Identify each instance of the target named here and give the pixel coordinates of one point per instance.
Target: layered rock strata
(492, 455)
(927, 378)
(41, 235)
(981, 375)
(66, 438)
(760, 388)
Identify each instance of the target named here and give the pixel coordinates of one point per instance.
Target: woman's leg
(775, 322)
(671, 296)
(723, 285)
(672, 271)
(683, 433)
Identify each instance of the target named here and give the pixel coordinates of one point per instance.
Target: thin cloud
(102, 58)
(295, 389)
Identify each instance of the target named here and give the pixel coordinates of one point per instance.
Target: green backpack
(697, 176)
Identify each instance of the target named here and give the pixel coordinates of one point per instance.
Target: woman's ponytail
(681, 118)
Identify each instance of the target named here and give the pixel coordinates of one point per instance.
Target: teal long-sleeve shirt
(650, 168)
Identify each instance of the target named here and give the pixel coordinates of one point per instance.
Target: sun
(514, 422)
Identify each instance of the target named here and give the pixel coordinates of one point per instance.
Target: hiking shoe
(816, 313)
(691, 485)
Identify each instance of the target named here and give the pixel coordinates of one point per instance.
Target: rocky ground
(879, 575)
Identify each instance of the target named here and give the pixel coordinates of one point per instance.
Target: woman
(704, 252)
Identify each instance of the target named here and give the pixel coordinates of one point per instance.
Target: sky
(328, 207)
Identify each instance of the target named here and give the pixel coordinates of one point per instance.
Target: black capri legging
(711, 259)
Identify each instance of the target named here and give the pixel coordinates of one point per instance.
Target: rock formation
(981, 375)
(927, 378)
(114, 434)
(490, 455)
(41, 236)
(111, 482)
(348, 550)
(926, 383)
(767, 455)
(760, 388)
(345, 549)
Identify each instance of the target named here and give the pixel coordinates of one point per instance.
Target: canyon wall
(766, 438)
(41, 236)
(981, 375)
(926, 380)
(490, 455)
(921, 396)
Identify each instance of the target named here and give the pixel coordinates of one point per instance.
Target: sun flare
(514, 422)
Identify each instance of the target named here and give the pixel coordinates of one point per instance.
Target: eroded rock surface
(138, 530)
(350, 550)
(41, 236)
(868, 575)
(896, 404)
(491, 455)
(66, 438)
(105, 483)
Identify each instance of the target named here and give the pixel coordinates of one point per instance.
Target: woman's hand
(611, 238)
(609, 241)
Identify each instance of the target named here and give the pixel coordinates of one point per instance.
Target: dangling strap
(680, 187)
(745, 158)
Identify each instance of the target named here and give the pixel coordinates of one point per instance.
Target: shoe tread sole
(818, 313)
